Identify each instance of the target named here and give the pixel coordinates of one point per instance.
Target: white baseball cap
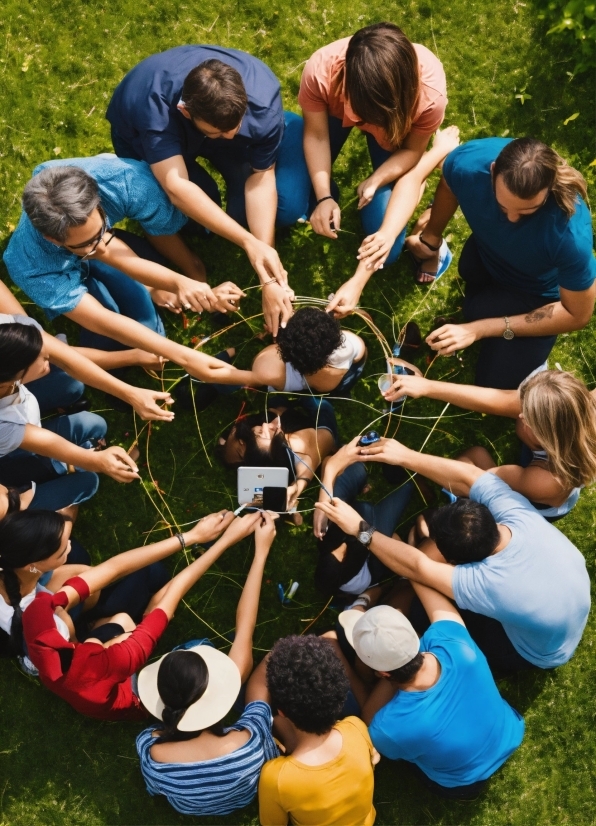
(382, 637)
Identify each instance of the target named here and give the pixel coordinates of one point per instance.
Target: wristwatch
(365, 533)
(508, 333)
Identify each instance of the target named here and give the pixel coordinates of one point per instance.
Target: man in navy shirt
(223, 105)
(528, 265)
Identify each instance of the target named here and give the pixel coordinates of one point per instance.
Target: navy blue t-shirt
(537, 254)
(143, 109)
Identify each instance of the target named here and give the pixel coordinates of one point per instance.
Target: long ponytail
(528, 166)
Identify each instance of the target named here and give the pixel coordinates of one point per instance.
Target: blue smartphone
(369, 438)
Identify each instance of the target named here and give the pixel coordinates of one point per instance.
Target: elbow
(581, 320)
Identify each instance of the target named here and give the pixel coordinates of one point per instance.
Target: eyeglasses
(96, 240)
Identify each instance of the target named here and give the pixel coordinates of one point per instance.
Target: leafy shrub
(573, 22)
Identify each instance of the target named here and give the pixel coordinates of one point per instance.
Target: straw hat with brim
(219, 697)
(382, 637)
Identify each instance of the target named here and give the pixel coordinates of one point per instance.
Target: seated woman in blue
(202, 767)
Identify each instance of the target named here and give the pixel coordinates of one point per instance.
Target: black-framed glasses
(96, 240)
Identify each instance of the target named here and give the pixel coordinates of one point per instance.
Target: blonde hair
(561, 412)
(528, 166)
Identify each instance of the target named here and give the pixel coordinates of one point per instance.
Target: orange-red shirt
(322, 67)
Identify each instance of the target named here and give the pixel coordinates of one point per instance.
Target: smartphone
(275, 499)
(369, 438)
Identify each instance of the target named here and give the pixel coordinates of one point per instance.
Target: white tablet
(252, 480)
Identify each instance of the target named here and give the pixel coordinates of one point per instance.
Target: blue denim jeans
(57, 389)
(55, 488)
(232, 162)
(123, 295)
(302, 196)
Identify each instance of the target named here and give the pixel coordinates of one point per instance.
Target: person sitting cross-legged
(67, 257)
(524, 586)
(436, 704)
(326, 776)
(94, 673)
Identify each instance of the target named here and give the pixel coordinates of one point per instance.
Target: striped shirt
(219, 786)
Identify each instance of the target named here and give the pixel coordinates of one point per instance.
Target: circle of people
(486, 584)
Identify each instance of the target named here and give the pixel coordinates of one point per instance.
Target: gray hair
(58, 198)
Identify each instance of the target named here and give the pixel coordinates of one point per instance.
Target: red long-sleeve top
(98, 682)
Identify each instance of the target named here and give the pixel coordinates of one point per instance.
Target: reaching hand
(389, 451)
(446, 139)
(195, 295)
(415, 387)
(115, 462)
(264, 534)
(451, 337)
(325, 216)
(241, 527)
(227, 296)
(342, 514)
(366, 191)
(320, 524)
(145, 404)
(265, 261)
(375, 249)
(345, 456)
(293, 495)
(345, 299)
(209, 527)
(149, 360)
(277, 306)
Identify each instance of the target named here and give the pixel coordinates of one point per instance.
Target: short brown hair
(527, 166)
(214, 93)
(383, 79)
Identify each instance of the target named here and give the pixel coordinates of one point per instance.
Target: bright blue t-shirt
(143, 109)
(53, 277)
(460, 730)
(537, 254)
(537, 587)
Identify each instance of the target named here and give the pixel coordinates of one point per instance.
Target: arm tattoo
(540, 314)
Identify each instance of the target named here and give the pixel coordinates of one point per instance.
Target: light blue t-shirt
(537, 587)
(54, 278)
(537, 254)
(460, 730)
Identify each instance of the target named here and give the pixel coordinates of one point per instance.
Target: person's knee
(125, 620)
(88, 425)
(478, 456)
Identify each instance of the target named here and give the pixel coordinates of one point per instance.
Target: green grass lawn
(58, 65)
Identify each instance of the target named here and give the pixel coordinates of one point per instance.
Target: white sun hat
(219, 697)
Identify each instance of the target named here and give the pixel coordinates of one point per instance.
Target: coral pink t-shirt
(323, 66)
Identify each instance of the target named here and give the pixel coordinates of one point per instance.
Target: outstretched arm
(170, 595)
(457, 477)
(396, 555)
(116, 567)
(469, 397)
(248, 606)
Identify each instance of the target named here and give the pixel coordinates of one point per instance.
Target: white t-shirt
(7, 611)
(20, 408)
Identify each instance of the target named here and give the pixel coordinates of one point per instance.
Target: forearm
(168, 598)
(399, 557)
(111, 359)
(260, 195)
(126, 563)
(317, 153)
(89, 369)
(548, 320)
(246, 613)
(478, 399)
(457, 477)
(397, 165)
(191, 200)
(45, 443)
(152, 275)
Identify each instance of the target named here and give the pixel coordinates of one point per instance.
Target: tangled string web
(384, 420)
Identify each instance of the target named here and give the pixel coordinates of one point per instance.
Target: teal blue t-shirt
(537, 254)
(459, 731)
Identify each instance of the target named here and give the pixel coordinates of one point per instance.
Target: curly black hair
(307, 682)
(309, 338)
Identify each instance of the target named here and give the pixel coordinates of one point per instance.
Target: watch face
(364, 537)
(508, 334)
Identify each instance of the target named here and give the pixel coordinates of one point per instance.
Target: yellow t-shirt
(338, 793)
